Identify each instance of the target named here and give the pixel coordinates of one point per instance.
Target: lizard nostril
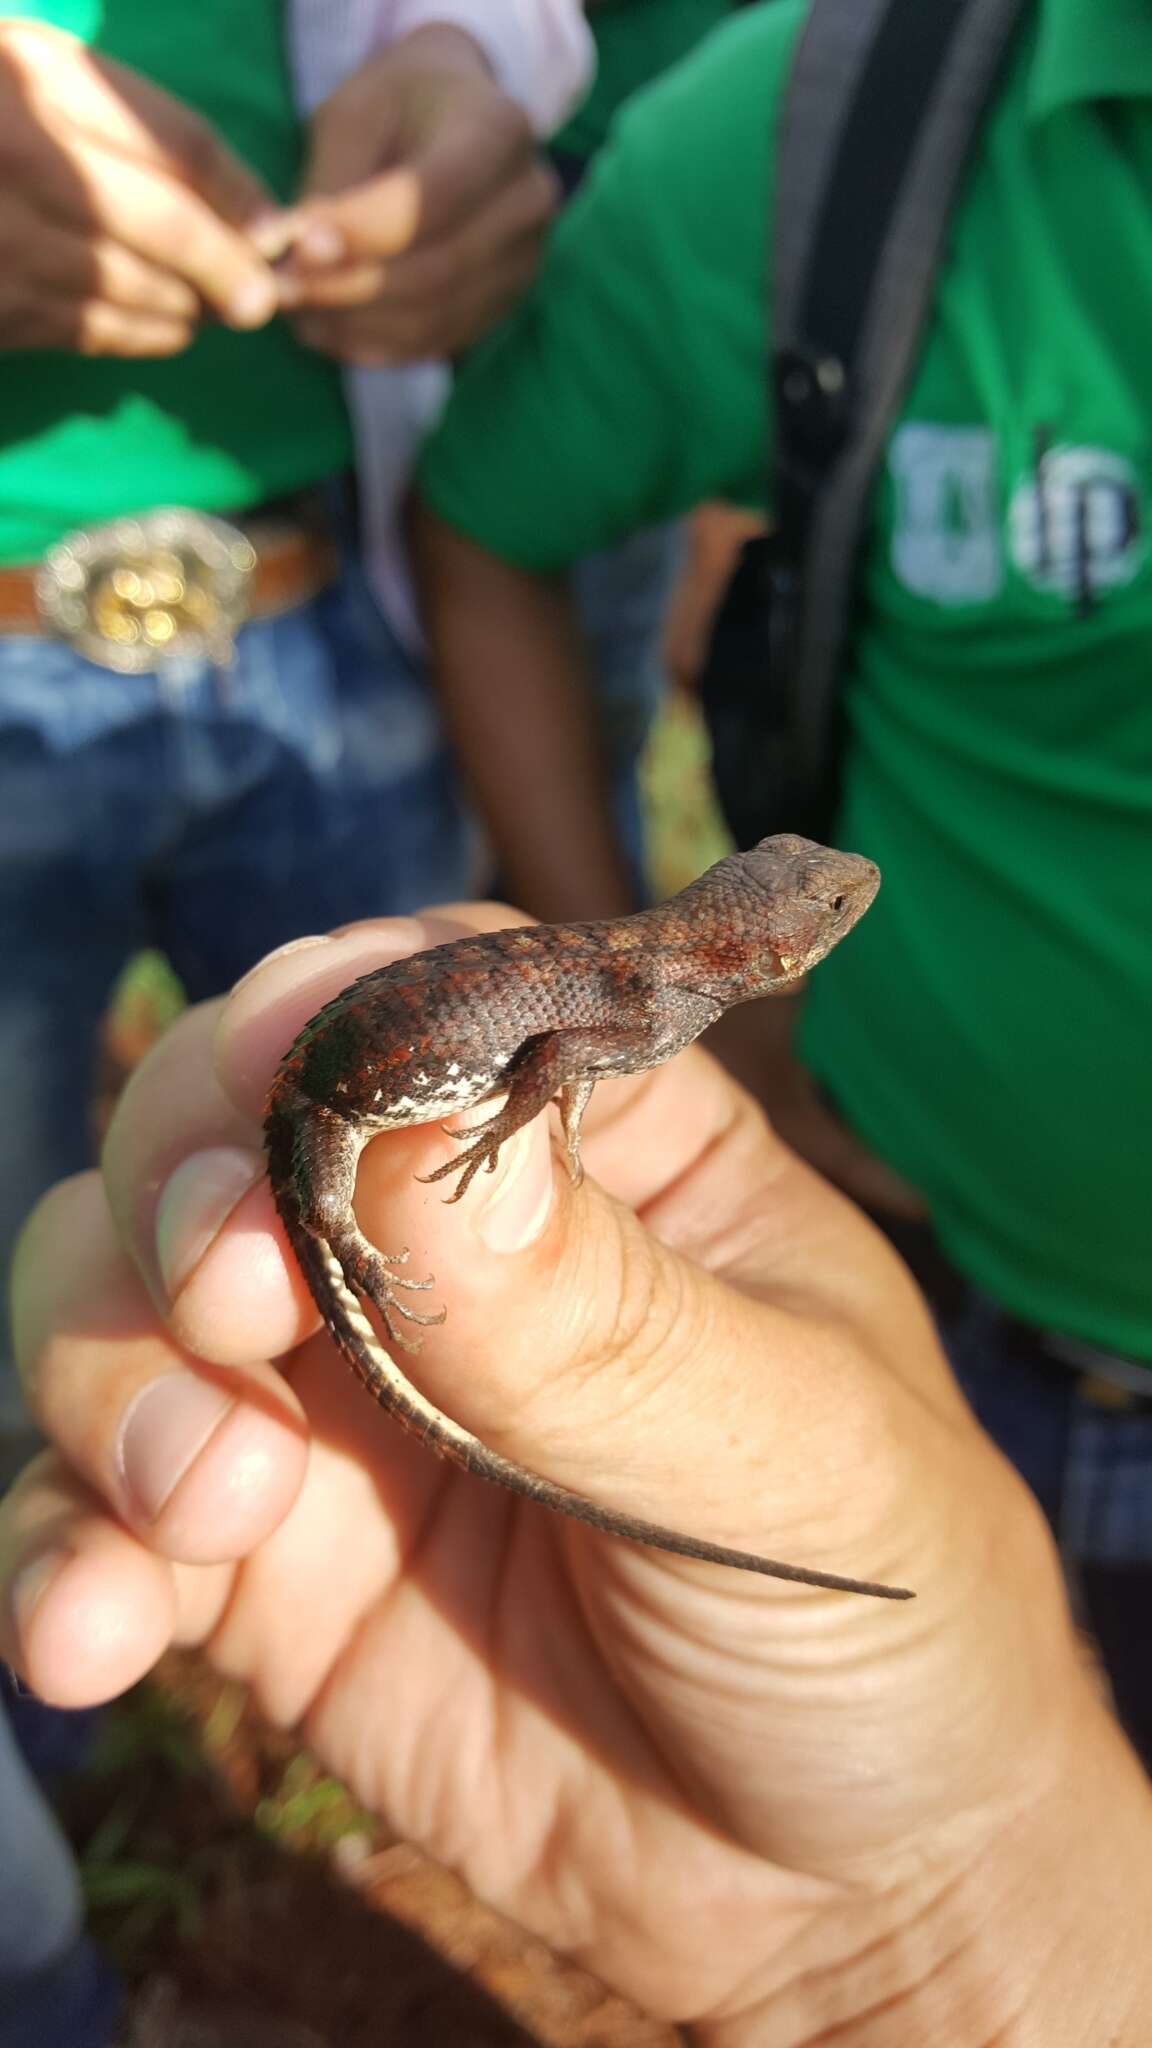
(838, 902)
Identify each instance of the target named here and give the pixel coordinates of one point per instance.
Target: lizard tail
(378, 1372)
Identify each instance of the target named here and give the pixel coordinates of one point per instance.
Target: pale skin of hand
(422, 210)
(772, 1814)
(123, 217)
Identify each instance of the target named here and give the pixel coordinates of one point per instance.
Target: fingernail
(195, 1205)
(252, 303)
(163, 1433)
(280, 953)
(31, 1581)
(517, 1198)
(398, 936)
(320, 242)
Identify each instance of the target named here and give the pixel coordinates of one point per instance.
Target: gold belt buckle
(141, 591)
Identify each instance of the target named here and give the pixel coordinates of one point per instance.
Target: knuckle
(508, 125)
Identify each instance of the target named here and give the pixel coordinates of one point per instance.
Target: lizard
(532, 1013)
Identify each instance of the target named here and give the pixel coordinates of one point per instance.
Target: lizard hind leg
(372, 1273)
(325, 1154)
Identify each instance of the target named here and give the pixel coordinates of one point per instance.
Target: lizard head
(814, 895)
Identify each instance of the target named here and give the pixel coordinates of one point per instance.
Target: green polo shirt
(238, 418)
(636, 40)
(988, 1029)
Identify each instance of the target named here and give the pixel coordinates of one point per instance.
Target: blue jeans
(1090, 1468)
(54, 1985)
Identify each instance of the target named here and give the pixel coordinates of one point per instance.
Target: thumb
(345, 148)
(709, 1364)
(577, 1346)
(413, 173)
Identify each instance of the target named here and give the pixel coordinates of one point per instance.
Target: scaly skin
(532, 1013)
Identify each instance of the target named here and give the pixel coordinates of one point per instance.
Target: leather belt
(1102, 1378)
(169, 584)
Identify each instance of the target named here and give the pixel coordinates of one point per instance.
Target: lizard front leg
(574, 1099)
(556, 1063)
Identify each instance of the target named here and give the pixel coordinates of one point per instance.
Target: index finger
(163, 220)
(183, 1154)
(91, 96)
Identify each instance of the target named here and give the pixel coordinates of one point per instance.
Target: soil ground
(249, 1904)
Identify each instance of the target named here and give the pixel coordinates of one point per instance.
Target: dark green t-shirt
(636, 40)
(988, 1028)
(236, 419)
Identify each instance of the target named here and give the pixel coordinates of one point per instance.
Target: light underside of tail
(377, 1371)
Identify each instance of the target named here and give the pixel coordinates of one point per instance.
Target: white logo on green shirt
(1074, 521)
(1074, 524)
(945, 539)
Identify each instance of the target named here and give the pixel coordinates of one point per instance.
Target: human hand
(122, 215)
(423, 206)
(716, 535)
(762, 1810)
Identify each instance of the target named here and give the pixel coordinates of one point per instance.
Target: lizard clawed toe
(470, 1131)
(391, 1259)
(467, 1167)
(369, 1274)
(411, 1315)
(389, 1307)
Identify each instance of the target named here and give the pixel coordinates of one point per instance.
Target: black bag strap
(884, 103)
